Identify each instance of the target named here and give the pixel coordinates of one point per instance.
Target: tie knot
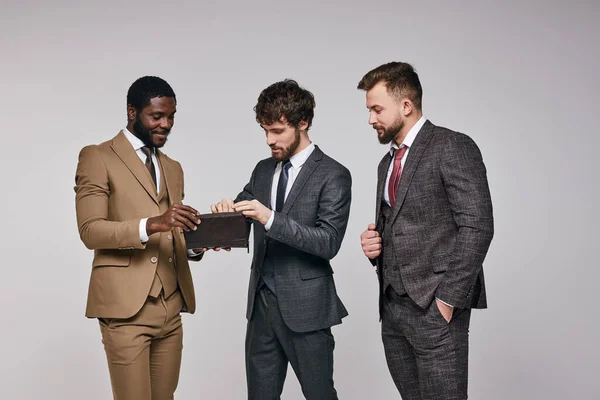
(147, 151)
(287, 164)
(399, 153)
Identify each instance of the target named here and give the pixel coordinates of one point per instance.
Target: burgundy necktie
(149, 164)
(396, 172)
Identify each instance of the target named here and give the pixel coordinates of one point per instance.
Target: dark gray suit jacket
(303, 238)
(442, 219)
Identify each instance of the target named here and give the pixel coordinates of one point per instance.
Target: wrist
(266, 217)
(151, 226)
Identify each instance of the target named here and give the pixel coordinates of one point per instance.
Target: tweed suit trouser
(427, 356)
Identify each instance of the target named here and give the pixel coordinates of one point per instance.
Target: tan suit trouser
(144, 351)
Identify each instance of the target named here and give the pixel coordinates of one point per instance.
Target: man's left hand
(445, 310)
(253, 209)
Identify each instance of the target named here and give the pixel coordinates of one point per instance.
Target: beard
(145, 134)
(286, 153)
(389, 133)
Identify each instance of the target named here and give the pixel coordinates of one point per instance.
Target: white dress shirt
(297, 161)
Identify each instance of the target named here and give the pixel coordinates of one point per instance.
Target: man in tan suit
(129, 211)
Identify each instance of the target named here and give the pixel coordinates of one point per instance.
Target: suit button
(170, 259)
(154, 260)
(395, 268)
(169, 237)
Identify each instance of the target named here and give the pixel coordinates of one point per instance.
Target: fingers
(225, 205)
(240, 204)
(183, 219)
(371, 245)
(188, 209)
(371, 227)
(369, 235)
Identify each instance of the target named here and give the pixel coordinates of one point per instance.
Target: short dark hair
(285, 101)
(401, 80)
(146, 88)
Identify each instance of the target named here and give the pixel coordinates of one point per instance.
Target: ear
(131, 113)
(303, 125)
(407, 107)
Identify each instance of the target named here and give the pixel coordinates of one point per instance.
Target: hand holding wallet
(228, 229)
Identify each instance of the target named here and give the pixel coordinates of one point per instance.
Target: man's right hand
(177, 216)
(225, 205)
(371, 242)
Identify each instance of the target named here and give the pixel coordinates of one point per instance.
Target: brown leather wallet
(230, 229)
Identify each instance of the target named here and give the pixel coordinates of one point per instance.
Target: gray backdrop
(519, 77)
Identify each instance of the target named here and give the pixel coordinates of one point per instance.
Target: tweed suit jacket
(442, 219)
(302, 240)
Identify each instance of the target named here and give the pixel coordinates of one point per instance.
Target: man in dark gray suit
(434, 227)
(299, 200)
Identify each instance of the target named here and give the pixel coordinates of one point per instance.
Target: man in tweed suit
(433, 228)
(299, 200)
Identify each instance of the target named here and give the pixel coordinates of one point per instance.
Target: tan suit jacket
(114, 191)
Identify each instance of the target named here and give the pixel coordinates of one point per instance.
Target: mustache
(160, 131)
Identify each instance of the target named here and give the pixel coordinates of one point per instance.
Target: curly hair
(146, 88)
(401, 80)
(285, 101)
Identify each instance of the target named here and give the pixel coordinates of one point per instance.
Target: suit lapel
(264, 183)
(384, 165)
(127, 154)
(412, 161)
(166, 174)
(307, 169)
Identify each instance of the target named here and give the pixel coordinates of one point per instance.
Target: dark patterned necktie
(149, 164)
(282, 185)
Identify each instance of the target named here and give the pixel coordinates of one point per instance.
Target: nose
(372, 118)
(271, 139)
(166, 123)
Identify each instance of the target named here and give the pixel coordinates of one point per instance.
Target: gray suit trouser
(427, 356)
(270, 345)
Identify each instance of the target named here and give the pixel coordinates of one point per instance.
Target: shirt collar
(300, 158)
(410, 136)
(136, 143)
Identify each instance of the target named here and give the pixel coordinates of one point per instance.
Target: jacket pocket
(317, 272)
(113, 258)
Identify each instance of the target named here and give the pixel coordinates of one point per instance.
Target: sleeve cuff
(270, 221)
(192, 253)
(143, 234)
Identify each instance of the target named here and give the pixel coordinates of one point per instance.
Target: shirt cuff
(449, 305)
(143, 234)
(192, 253)
(270, 221)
